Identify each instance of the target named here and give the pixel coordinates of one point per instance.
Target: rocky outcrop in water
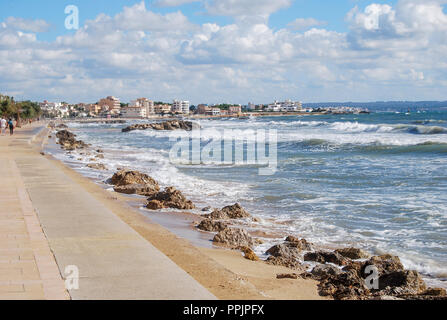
(97, 166)
(211, 225)
(133, 182)
(169, 198)
(234, 237)
(68, 141)
(394, 282)
(234, 211)
(288, 253)
(352, 253)
(166, 125)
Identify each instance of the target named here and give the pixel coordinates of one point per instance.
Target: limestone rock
(229, 212)
(211, 225)
(352, 253)
(234, 237)
(172, 198)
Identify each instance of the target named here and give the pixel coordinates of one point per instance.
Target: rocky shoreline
(169, 125)
(342, 274)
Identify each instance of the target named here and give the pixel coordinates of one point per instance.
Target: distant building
(251, 106)
(286, 106)
(203, 109)
(110, 104)
(213, 112)
(235, 110)
(134, 112)
(179, 106)
(162, 108)
(145, 103)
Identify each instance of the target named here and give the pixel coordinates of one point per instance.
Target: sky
(225, 51)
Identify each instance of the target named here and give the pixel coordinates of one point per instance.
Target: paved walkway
(113, 260)
(28, 269)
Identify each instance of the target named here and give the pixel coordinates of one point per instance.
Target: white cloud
(304, 23)
(246, 7)
(388, 53)
(173, 3)
(27, 24)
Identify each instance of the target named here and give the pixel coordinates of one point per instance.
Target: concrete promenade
(48, 222)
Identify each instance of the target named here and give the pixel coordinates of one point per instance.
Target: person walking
(11, 127)
(3, 124)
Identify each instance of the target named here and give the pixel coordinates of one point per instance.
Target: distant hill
(384, 105)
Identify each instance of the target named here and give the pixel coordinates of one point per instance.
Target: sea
(376, 181)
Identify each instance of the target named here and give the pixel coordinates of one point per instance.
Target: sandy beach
(224, 273)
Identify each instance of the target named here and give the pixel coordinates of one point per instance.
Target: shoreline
(233, 276)
(191, 227)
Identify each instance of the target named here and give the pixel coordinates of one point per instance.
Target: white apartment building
(180, 106)
(134, 112)
(286, 106)
(144, 103)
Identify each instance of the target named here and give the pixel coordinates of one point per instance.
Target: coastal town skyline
(225, 51)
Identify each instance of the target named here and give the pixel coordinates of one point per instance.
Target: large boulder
(404, 282)
(133, 182)
(345, 285)
(171, 198)
(326, 257)
(284, 250)
(352, 253)
(211, 225)
(234, 237)
(68, 141)
(385, 264)
(234, 211)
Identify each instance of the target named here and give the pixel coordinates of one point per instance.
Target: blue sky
(226, 50)
(52, 11)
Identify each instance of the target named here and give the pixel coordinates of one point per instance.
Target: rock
(140, 189)
(249, 254)
(229, 212)
(385, 263)
(406, 282)
(206, 209)
(352, 253)
(287, 276)
(212, 226)
(345, 285)
(234, 237)
(128, 177)
(97, 166)
(61, 126)
(99, 156)
(436, 292)
(285, 262)
(154, 205)
(68, 142)
(300, 244)
(99, 151)
(326, 257)
(172, 198)
(325, 270)
(284, 250)
(166, 125)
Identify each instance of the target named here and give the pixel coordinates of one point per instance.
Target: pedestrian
(11, 127)
(3, 124)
